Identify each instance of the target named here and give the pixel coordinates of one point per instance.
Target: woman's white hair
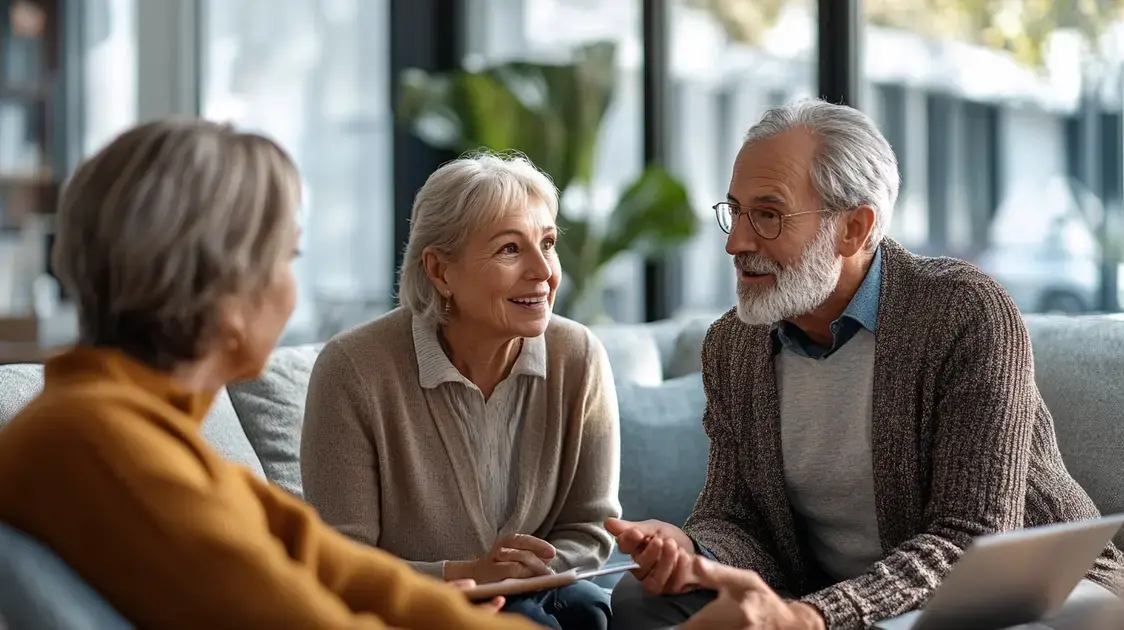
(457, 200)
(855, 166)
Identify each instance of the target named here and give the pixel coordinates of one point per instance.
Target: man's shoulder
(941, 284)
(727, 329)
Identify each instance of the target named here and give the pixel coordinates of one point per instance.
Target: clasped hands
(670, 566)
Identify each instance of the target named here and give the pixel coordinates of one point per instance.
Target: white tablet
(541, 583)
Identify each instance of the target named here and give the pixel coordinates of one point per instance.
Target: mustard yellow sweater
(108, 468)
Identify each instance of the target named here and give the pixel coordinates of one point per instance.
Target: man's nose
(742, 237)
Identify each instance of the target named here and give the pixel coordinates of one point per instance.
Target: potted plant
(552, 113)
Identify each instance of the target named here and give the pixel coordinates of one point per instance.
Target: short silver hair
(855, 165)
(457, 200)
(162, 224)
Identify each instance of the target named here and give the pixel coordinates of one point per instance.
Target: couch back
(1078, 362)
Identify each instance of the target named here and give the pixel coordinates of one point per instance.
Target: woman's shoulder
(572, 344)
(383, 341)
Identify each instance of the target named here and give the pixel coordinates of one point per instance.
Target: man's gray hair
(459, 199)
(855, 165)
(162, 224)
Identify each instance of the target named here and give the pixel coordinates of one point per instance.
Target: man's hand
(512, 556)
(493, 606)
(663, 552)
(745, 602)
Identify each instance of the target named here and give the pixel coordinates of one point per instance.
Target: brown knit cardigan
(963, 445)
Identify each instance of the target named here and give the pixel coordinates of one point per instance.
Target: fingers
(493, 606)
(505, 570)
(648, 557)
(618, 526)
(720, 577)
(683, 576)
(526, 542)
(656, 580)
(531, 562)
(462, 585)
(632, 541)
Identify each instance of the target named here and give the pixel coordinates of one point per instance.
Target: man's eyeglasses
(766, 222)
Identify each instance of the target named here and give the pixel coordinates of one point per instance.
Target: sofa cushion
(686, 356)
(224, 433)
(1077, 363)
(663, 449)
(19, 384)
(634, 355)
(38, 590)
(271, 409)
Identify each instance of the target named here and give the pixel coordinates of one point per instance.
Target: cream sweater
(384, 460)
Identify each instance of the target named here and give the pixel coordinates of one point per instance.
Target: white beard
(799, 289)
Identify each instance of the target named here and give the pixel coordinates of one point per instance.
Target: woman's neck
(481, 359)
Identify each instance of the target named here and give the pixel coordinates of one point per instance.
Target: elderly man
(870, 411)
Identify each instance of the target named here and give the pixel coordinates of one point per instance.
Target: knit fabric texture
(963, 445)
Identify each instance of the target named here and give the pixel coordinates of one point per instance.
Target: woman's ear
(231, 324)
(436, 267)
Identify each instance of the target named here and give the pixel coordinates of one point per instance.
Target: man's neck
(817, 324)
(482, 359)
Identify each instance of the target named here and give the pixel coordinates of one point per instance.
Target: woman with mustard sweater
(177, 241)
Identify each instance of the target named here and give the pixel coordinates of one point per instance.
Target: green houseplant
(552, 113)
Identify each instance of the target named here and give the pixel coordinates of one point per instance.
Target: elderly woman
(469, 431)
(177, 242)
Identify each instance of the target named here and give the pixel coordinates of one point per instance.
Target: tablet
(1013, 578)
(541, 583)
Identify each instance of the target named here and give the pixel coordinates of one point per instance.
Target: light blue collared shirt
(861, 312)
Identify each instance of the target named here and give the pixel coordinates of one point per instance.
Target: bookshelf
(30, 129)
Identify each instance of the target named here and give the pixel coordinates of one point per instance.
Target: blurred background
(1006, 116)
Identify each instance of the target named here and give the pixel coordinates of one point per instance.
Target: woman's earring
(448, 303)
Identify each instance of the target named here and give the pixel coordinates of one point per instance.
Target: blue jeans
(579, 606)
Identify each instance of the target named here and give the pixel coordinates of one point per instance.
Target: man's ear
(856, 227)
(436, 267)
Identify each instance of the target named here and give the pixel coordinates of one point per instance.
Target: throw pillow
(663, 449)
(271, 410)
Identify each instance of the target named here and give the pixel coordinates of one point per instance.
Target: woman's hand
(512, 556)
(493, 606)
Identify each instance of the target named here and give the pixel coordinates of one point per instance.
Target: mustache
(754, 262)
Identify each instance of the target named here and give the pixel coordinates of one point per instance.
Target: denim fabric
(579, 606)
(38, 590)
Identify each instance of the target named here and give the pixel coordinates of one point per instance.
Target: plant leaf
(653, 213)
(572, 240)
(552, 113)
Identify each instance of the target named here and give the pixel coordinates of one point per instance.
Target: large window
(1007, 126)
(550, 30)
(312, 74)
(730, 61)
(108, 57)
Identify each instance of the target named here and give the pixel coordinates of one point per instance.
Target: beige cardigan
(382, 464)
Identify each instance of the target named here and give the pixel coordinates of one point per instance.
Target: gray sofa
(1079, 365)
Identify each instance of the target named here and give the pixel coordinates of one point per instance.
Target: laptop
(1013, 578)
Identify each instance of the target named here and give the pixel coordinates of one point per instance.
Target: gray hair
(458, 199)
(160, 225)
(855, 165)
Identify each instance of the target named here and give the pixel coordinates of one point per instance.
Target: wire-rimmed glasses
(767, 222)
